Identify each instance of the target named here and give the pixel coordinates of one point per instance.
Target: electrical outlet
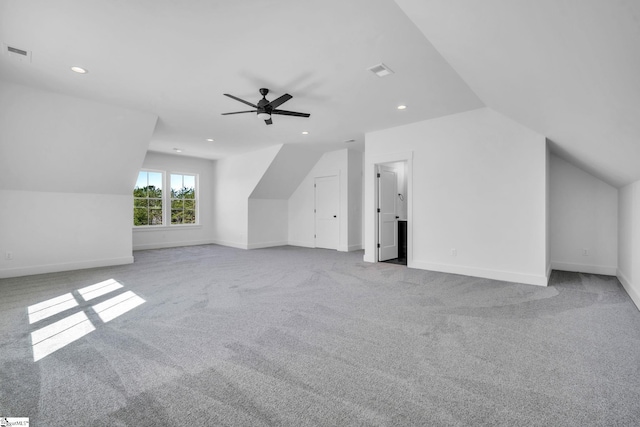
(8, 256)
(454, 252)
(585, 252)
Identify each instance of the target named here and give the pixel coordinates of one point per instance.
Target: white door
(327, 206)
(387, 219)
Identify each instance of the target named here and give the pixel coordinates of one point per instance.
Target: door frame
(335, 175)
(380, 218)
(371, 203)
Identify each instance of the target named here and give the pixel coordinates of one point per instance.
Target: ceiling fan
(266, 108)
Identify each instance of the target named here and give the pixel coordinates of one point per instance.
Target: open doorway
(392, 212)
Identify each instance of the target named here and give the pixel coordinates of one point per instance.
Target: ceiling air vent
(20, 54)
(380, 70)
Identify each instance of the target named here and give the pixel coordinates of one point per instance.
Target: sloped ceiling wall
(567, 69)
(286, 172)
(57, 143)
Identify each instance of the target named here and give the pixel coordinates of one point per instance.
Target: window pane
(189, 193)
(148, 198)
(140, 216)
(155, 216)
(177, 217)
(142, 180)
(189, 217)
(153, 191)
(176, 185)
(140, 203)
(190, 185)
(177, 204)
(140, 192)
(155, 180)
(189, 204)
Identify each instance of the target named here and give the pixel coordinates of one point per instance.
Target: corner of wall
(628, 286)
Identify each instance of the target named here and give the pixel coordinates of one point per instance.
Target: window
(153, 207)
(147, 199)
(183, 199)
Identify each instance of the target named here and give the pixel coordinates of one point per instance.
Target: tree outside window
(147, 199)
(183, 199)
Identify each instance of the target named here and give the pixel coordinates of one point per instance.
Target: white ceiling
(177, 58)
(567, 69)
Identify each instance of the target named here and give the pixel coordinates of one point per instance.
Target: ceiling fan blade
(269, 122)
(241, 100)
(290, 113)
(279, 101)
(240, 112)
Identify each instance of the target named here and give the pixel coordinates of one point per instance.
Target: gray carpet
(308, 337)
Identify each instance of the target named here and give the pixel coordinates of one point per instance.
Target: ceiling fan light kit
(266, 108)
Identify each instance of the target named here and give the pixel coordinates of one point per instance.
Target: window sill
(147, 228)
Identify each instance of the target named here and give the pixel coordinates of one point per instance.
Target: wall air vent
(17, 53)
(380, 70)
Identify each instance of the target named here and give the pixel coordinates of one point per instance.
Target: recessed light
(177, 150)
(210, 139)
(79, 70)
(305, 133)
(402, 107)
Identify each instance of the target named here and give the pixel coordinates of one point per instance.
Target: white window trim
(197, 198)
(164, 214)
(166, 202)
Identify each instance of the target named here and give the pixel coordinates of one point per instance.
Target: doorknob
(335, 216)
(397, 217)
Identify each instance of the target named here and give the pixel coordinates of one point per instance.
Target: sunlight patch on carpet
(60, 333)
(48, 308)
(116, 306)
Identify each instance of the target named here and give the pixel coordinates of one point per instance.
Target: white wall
(58, 143)
(268, 203)
(268, 219)
(548, 212)
(584, 216)
(181, 235)
(67, 167)
(301, 203)
(286, 171)
(235, 178)
(48, 232)
(477, 184)
(354, 196)
(629, 240)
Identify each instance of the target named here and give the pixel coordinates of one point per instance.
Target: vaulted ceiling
(566, 69)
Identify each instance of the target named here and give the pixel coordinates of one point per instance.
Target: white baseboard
(230, 244)
(266, 245)
(626, 284)
(355, 248)
(163, 245)
(66, 266)
(507, 276)
(585, 268)
(301, 244)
